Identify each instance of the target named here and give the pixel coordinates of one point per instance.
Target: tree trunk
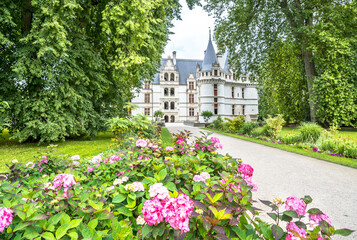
(27, 17)
(310, 72)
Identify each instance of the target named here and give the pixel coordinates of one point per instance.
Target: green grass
(323, 156)
(166, 137)
(25, 152)
(341, 133)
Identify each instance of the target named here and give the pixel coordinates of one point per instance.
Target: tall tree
(67, 65)
(249, 29)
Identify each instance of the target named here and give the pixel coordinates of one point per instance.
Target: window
(215, 72)
(147, 97)
(215, 109)
(166, 77)
(214, 89)
(147, 85)
(172, 105)
(191, 85)
(191, 98)
(230, 77)
(172, 91)
(243, 93)
(226, 76)
(166, 118)
(172, 118)
(191, 112)
(234, 76)
(243, 109)
(166, 92)
(215, 100)
(232, 92)
(147, 111)
(172, 77)
(166, 105)
(233, 110)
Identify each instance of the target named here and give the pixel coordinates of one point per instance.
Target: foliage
(206, 115)
(217, 124)
(106, 197)
(274, 126)
(3, 116)
(248, 127)
(236, 123)
(260, 36)
(309, 132)
(68, 66)
(158, 114)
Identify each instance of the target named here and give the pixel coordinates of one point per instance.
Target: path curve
(279, 173)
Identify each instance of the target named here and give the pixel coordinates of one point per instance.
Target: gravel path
(279, 173)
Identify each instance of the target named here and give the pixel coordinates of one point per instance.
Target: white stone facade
(185, 88)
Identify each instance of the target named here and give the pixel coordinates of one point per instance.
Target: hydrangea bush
(139, 190)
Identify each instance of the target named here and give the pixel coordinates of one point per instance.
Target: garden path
(280, 173)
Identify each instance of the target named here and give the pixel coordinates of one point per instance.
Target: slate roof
(184, 67)
(210, 56)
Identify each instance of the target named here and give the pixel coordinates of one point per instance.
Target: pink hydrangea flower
(140, 157)
(245, 169)
(64, 180)
(215, 140)
(115, 158)
(177, 212)
(159, 190)
(205, 175)
(75, 157)
(75, 163)
(5, 218)
(96, 159)
(30, 165)
(314, 219)
(169, 148)
(138, 187)
(294, 232)
(296, 204)
(218, 146)
(152, 211)
(141, 143)
(249, 181)
(197, 178)
(90, 169)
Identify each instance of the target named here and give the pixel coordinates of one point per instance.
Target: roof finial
(209, 33)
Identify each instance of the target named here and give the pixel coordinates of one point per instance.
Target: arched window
(166, 92)
(166, 105)
(172, 91)
(172, 118)
(166, 77)
(166, 118)
(172, 105)
(172, 77)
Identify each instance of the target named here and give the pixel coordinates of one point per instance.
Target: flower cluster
(246, 172)
(152, 211)
(122, 180)
(202, 177)
(294, 232)
(5, 218)
(295, 204)
(159, 190)
(208, 145)
(314, 219)
(177, 212)
(64, 180)
(138, 187)
(169, 148)
(141, 143)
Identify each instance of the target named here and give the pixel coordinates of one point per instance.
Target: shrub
(218, 123)
(275, 124)
(290, 138)
(309, 132)
(248, 127)
(206, 115)
(235, 124)
(257, 132)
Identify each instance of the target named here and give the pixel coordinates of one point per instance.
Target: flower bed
(140, 190)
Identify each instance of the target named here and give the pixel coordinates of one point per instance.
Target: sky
(190, 36)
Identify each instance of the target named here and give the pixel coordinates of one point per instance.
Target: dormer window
(215, 72)
(191, 85)
(166, 92)
(166, 77)
(172, 92)
(172, 77)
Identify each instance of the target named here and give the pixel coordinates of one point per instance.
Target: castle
(184, 88)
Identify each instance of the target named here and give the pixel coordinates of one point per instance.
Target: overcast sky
(190, 36)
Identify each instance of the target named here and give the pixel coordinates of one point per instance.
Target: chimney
(219, 57)
(174, 57)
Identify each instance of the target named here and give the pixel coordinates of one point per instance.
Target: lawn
(342, 133)
(25, 152)
(166, 137)
(323, 156)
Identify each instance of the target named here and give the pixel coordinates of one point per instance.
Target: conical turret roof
(210, 56)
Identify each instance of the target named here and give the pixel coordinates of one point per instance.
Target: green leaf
(55, 219)
(291, 213)
(344, 232)
(75, 223)
(73, 235)
(22, 225)
(170, 186)
(277, 232)
(48, 236)
(125, 211)
(162, 174)
(119, 198)
(62, 230)
(38, 217)
(93, 224)
(146, 230)
(65, 219)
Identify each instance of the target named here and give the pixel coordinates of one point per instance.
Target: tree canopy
(68, 65)
(255, 31)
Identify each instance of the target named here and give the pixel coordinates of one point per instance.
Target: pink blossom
(141, 143)
(5, 218)
(159, 190)
(215, 140)
(198, 178)
(75, 157)
(140, 157)
(296, 204)
(245, 169)
(64, 180)
(294, 232)
(249, 182)
(138, 187)
(96, 159)
(90, 169)
(314, 219)
(75, 163)
(177, 212)
(115, 158)
(152, 211)
(30, 165)
(169, 148)
(205, 175)
(218, 146)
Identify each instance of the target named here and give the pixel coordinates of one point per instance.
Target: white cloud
(190, 36)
